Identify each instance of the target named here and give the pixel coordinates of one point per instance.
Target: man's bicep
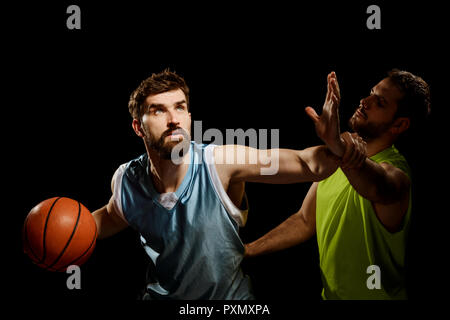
(237, 163)
(279, 166)
(397, 183)
(115, 213)
(391, 212)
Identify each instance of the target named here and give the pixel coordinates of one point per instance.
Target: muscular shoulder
(118, 174)
(397, 175)
(391, 158)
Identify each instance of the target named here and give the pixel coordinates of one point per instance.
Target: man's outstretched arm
(301, 226)
(277, 166)
(387, 187)
(291, 166)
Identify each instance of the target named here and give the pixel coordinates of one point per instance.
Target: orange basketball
(59, 232)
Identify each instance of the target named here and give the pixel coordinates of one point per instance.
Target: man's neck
(166, 175)
(377, 145)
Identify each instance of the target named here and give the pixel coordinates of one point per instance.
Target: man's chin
(355, 127)
(179, 147)
(171, 143)
(352, 123)
(173, 140)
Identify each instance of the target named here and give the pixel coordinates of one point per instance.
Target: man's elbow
(321, 163)
(321, 170)
(386, 195)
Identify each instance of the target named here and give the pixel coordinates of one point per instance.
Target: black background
(66, 127)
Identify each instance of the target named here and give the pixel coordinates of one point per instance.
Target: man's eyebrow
(383, 99)
(155, 105)
(180, 102)
(160, 105)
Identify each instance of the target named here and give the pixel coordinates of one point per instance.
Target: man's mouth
(176, 135)
(361, 114)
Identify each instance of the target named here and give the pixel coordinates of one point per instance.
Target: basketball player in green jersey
(361, 214)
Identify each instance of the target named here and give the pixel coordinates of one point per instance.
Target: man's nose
(365, 102)
(172, 119)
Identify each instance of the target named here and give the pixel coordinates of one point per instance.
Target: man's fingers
(359, 154)
(362, 146)
(363, 152)
(329, 89)
(335, 88)
(335, 101)
(353, 157)
(312, 114)
(349, 146)
(356, 152)
(335, 84)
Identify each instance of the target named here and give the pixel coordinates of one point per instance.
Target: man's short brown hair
(415, 103)
(155, 84)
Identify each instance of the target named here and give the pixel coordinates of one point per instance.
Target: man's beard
(368, 130)
(171, 150)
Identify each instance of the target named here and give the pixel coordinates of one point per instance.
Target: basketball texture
(59, 232)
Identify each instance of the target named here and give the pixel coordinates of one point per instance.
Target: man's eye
(380, 102)
(180, 108)
(157, 111)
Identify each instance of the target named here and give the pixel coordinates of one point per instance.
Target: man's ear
(400, 125)
(137, 127)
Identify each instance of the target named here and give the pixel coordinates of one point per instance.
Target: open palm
(327, 124)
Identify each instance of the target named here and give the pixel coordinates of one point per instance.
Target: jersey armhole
(117, 191)
(238, 215)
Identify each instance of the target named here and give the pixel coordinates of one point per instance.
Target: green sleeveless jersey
(351, 238)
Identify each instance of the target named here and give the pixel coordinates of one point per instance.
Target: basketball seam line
(45, 232)
(82, 255)
(70, 238)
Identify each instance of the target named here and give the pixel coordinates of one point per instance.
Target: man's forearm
(286, 165)
(107, 224)
(371, 181)
(102, 221)
(291, 232)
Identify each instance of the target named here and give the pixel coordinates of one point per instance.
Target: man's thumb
(312, 114)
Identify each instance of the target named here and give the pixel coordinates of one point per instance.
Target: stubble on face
(164, 148)
(367, 129)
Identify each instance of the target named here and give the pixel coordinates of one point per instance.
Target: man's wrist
(338, 149)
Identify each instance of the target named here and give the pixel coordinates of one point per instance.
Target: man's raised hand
(327, 124)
